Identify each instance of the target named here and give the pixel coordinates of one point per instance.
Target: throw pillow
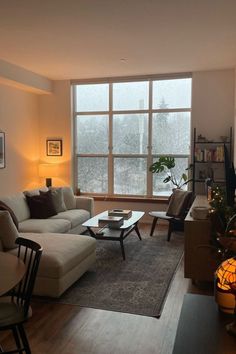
(8, 231)
(41, 206)
(58, 199)
(4, 206)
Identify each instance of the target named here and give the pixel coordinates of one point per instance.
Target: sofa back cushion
(8, 231)
(69, 197)
(18, 205)
(58, 199)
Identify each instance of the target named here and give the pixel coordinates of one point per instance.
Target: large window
(121, 128)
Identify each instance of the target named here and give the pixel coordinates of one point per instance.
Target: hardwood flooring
(69, 329)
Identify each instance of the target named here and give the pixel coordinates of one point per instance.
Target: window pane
(92, 134)
(130, 176)
(93, 174)
(130, 133)
(172, 93)
(160, 188)
(130, 95)
(92, 98)
(171, 133)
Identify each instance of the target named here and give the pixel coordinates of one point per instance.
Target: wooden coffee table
(119, 234)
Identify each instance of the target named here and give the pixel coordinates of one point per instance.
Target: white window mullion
(110, 147)
(149, 157)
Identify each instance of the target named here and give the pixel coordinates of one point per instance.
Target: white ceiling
(72, 39)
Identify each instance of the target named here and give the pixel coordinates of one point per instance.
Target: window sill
(107, 198)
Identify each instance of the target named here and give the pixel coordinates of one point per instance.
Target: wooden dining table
(12, 270)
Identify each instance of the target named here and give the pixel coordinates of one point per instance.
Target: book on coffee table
(126, 214)
(113, 222)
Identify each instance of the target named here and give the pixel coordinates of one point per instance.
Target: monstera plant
(167, 164)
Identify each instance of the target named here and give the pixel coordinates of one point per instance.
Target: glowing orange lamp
(225, 290)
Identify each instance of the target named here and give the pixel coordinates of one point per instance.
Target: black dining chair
(178, 207)
(15, 308)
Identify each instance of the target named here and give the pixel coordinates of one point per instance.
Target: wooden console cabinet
(200, 259)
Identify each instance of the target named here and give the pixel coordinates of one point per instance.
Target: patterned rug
(138, 285)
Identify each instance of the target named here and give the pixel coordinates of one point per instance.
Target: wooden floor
(69, 329)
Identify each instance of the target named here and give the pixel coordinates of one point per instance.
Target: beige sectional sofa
(66, 254)
(77, 209)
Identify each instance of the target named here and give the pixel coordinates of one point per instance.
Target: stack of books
(126, 214)
(113, 222)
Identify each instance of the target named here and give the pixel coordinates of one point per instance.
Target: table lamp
(225, 291)
(48, 170)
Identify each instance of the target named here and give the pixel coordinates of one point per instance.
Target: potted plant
(167, 164)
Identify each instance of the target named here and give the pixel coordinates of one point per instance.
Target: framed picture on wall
(54, 147)
(2, 150)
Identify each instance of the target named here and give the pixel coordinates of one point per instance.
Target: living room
(35, 105)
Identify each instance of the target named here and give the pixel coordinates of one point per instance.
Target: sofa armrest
(86, 203)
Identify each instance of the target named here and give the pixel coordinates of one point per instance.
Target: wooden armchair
(178, 207)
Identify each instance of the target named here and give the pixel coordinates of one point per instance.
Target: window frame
(149, 111)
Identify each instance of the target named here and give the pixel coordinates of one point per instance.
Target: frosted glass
(92, 97)
(130, 176)
(130, 133)
(92, 134)
(171, 133)
(130, 95)
(172, 93)
(93, 174)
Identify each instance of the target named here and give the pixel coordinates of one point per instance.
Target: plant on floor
(167, 164)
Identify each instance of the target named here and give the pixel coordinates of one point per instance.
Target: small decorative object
(225, 290)
(224, 138)
(2, 150)
(54, 147)
(166, 164)
(200, 212)
(201, 138)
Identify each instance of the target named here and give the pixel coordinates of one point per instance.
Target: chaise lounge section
(66, 254)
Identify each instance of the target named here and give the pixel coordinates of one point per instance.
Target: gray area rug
(138, 285)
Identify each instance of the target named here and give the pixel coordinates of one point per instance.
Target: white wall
(55, 122)
(213, 102)
(20, 121)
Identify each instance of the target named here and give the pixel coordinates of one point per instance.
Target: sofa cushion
(8, 231)
(69, 197)
(75, 216)
(36, 191)
(3, 206)
(58, 199)
(41, 206)
(45, 225)
(18, 205)
(57, 259)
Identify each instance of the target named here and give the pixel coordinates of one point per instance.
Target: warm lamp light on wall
(225, 290)
(48, 170)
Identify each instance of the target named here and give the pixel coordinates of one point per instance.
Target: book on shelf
(113, 222)
(126, 214)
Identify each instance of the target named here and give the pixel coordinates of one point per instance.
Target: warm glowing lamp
(225, 291)
(48, 170)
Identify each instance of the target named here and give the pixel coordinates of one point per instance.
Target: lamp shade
(225, 285)
(48, 170)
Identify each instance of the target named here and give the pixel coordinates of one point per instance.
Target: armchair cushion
(178, 203)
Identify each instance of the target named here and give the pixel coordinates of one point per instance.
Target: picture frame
(2, 150)
(54, 147)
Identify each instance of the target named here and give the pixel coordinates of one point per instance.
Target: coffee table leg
(122, 244)
(137, 231)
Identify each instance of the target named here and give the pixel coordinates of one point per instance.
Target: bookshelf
(208, 160)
